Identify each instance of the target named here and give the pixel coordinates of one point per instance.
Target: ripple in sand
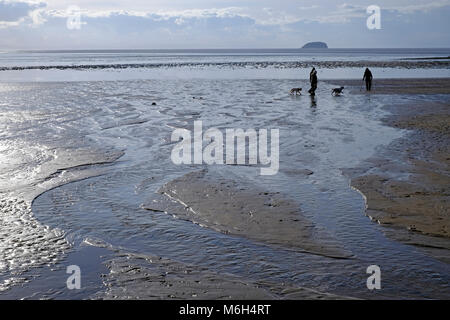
(24, 242)
(230, 207)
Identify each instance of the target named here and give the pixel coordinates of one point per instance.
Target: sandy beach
(407, 183)
(219, 150)
(88, 180)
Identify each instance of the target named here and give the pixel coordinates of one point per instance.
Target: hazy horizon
(224, 49)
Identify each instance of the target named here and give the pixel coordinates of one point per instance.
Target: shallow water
(83, 128)
(89, 65)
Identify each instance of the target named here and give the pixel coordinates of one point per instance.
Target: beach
(408, 183)
(88, 179)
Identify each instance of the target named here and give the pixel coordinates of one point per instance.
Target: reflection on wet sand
(94, 121)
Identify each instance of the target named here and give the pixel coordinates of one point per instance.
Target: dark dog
(296, 91)
(337, 91)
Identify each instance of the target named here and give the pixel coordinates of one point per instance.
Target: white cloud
(7, 24)
(37, 17)
(424, 7)
(13, 13)
(279, 13)
(205, 23)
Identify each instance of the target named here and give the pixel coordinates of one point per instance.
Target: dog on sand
(296, 91)
(337, 91)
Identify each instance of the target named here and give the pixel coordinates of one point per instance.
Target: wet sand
(397, 86)
(232, 207)
(407, 184)
(85, 209)
(24, 242)
(137, 276)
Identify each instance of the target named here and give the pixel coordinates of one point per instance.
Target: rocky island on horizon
(315, 45)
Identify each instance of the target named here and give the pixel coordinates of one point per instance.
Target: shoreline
(402, 64)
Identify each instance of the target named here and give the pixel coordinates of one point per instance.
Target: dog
(337, 91)
(296, 91)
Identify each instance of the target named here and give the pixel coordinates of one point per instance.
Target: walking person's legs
(312, 91)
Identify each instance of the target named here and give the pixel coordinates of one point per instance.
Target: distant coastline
(444, 51)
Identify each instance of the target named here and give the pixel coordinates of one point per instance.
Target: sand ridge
(231, 207)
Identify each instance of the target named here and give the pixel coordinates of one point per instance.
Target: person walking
(313, 81)
(368, 78)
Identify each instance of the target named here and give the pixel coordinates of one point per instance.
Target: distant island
(315, 45)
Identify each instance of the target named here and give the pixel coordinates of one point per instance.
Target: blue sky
(176, 24)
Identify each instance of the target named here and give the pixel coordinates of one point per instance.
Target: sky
(185, 24)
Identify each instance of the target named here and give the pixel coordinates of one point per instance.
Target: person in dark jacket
(368, 78)
(313, 81)
(311, 73)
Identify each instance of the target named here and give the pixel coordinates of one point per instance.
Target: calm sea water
(248, 64)
(82, 148)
